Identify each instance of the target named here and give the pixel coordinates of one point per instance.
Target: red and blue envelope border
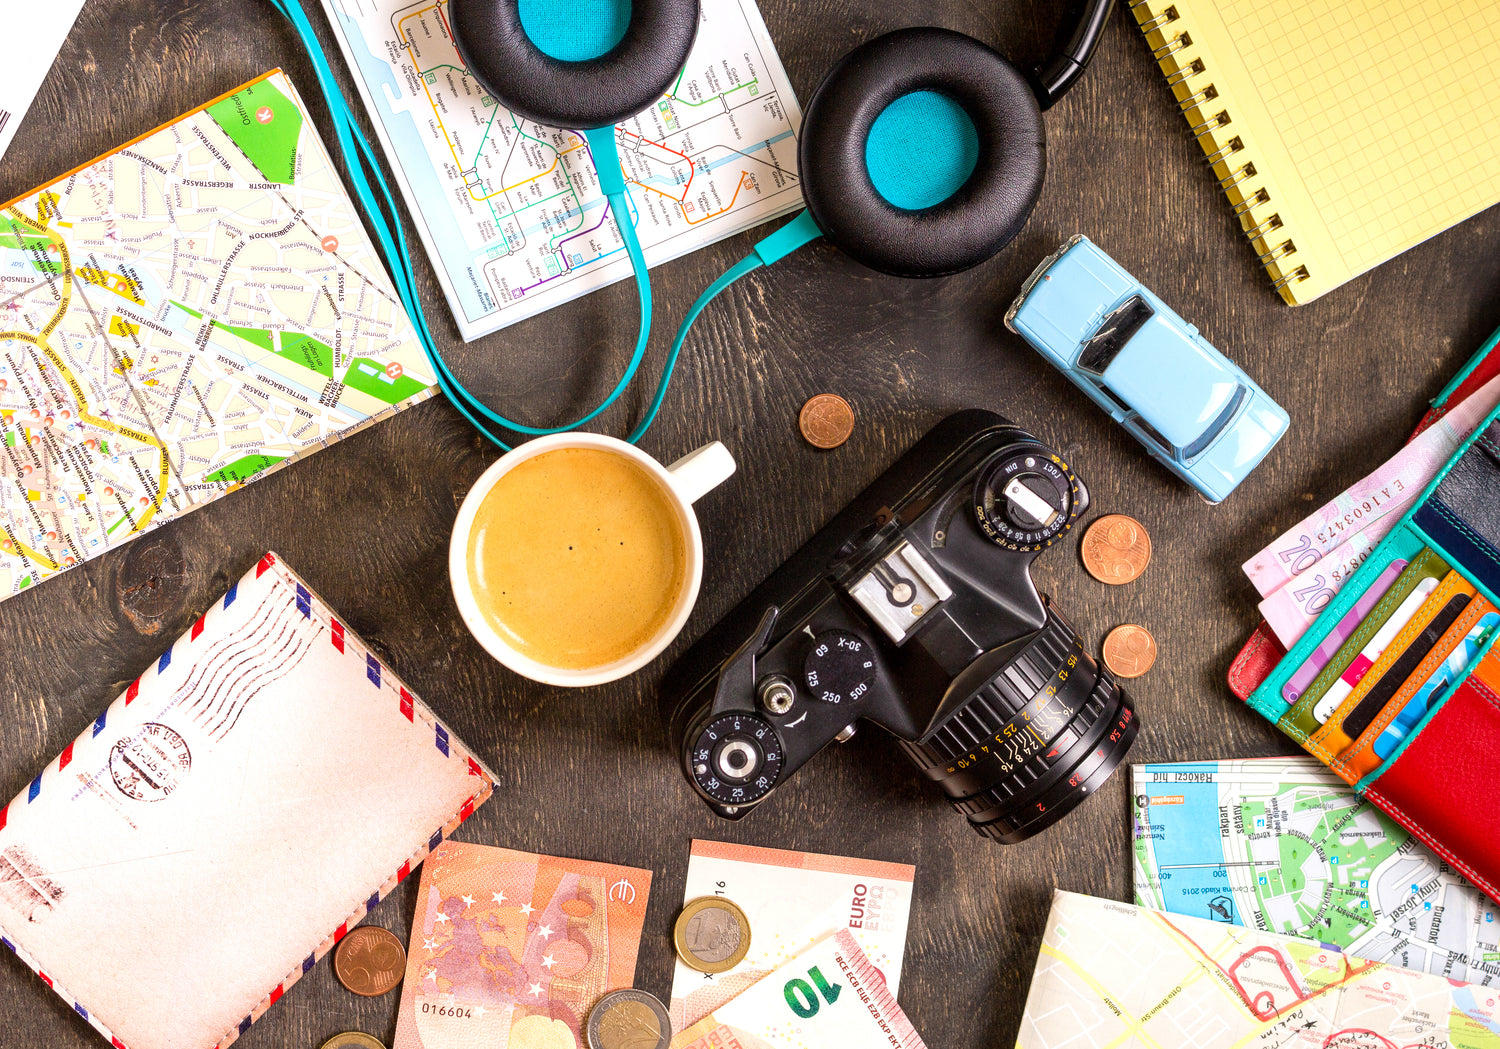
(381, 677)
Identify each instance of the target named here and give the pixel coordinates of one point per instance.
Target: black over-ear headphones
(884, 202)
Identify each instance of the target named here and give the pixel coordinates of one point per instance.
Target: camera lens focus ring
(1033, 738)
(1029, 690)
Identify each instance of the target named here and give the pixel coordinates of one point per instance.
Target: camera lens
(1026, 733)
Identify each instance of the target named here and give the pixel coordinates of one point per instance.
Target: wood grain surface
(589, 773)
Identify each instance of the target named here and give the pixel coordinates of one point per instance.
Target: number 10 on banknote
(792, 900)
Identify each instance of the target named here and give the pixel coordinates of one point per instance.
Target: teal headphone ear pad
(592, 93)
(982, 215)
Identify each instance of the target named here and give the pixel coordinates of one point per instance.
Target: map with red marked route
(510, 211)
(1114, 976)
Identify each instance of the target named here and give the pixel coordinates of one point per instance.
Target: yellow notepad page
(1343, 131)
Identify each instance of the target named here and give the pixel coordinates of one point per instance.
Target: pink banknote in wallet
(226, 820)
(511, 949)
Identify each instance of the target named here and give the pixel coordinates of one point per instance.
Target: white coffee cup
(685, 481)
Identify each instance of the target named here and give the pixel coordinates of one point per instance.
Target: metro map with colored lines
(510, 210)
(1113, 976)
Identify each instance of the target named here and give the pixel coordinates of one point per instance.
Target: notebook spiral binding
(1211, 123)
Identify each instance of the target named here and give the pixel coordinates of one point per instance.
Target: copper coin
(1129, 650)
(369, 961)
(826, 421)
(1116, 549)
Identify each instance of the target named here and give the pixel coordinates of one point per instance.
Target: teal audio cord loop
(783, 242)
(359, 159)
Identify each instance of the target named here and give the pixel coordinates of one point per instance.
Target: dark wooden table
(588, 773)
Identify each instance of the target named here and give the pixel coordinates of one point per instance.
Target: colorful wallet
(226, 820)
(1262, 651)
(1416, 729)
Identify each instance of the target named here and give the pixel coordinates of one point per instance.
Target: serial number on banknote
(448, 1010)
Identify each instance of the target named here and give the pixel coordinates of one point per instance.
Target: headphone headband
(1077, 40)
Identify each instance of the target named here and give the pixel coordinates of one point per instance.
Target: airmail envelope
(223, 823)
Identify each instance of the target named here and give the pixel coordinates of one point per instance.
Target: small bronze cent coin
(826, 421)
(1116, 549)
(629, 1019)
(369, 961)
(1129, 650)
(712, 935)
(352, 1040)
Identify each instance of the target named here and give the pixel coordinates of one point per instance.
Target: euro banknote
(792, 899)
(1381, 496)
(513, 949)
(828, 997)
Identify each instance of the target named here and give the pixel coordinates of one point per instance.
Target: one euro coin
(712, 934)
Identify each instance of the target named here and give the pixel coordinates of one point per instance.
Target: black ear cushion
(977, 220)
(593, 93)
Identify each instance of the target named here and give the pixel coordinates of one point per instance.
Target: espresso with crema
(578, 558)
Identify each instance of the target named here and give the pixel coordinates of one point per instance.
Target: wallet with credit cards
(1407, 710)
(226, 820)
(1261, 650)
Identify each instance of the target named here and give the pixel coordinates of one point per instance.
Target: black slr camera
(914, 609)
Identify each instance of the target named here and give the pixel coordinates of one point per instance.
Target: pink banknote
(513, 949)
(1380, 497)
(1291, 610)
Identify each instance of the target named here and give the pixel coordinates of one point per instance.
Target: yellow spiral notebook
(1342, 131)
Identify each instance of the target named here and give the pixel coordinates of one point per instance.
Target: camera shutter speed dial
(1026, 499)
(840, 667)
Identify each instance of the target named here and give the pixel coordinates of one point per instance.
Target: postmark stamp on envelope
(150, 763)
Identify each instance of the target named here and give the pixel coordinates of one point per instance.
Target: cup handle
(702, 470)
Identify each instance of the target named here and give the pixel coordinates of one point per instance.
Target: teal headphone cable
(783, 242)
(359, 157)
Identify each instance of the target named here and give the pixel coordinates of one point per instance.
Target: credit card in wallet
(1340, 689)
(1404, 666)
(1341, 633)
(1448, 672)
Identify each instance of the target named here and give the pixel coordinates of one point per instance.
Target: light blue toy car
(1192, 407)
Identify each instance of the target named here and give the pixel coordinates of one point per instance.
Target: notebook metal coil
(1245, 173)
(1199, 97)
(1262, 196)
(1219, 119)
(1166, 17)
(1281, 251)
(1187, 72)
(1258, 232)
(1177, 43)
(1191, 82)
(1225, 151)
(1296, 276)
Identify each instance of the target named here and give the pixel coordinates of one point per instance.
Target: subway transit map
(510, 211)
(1113, 976)
(177, 318)
(1283, 844)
